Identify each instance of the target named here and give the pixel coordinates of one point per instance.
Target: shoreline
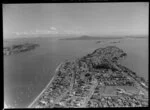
(34, 101)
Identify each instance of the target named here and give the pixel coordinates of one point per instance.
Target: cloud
(17, 33)
(21, 33)
(72, 32)
(53, 28)
(52, 32)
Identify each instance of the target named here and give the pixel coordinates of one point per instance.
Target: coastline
(36, 99)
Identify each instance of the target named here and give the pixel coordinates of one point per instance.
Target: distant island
(98, 42)
(85, 37)
(137, 37)
(115, 42)
(14, 49)
(112, 42)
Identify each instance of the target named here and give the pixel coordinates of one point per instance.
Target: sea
(26, 74)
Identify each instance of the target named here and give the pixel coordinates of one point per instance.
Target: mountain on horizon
(86, 37)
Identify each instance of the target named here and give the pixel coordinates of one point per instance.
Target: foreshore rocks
(86, 82)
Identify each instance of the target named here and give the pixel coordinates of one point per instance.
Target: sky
(76, 18)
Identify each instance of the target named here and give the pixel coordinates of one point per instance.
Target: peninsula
(94, 80)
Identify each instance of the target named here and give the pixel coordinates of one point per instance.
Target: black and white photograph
(76, 55)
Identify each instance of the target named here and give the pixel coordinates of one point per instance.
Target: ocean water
(26, 74)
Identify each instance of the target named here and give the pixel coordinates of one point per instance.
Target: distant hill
(139, 37)
(85, 37)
